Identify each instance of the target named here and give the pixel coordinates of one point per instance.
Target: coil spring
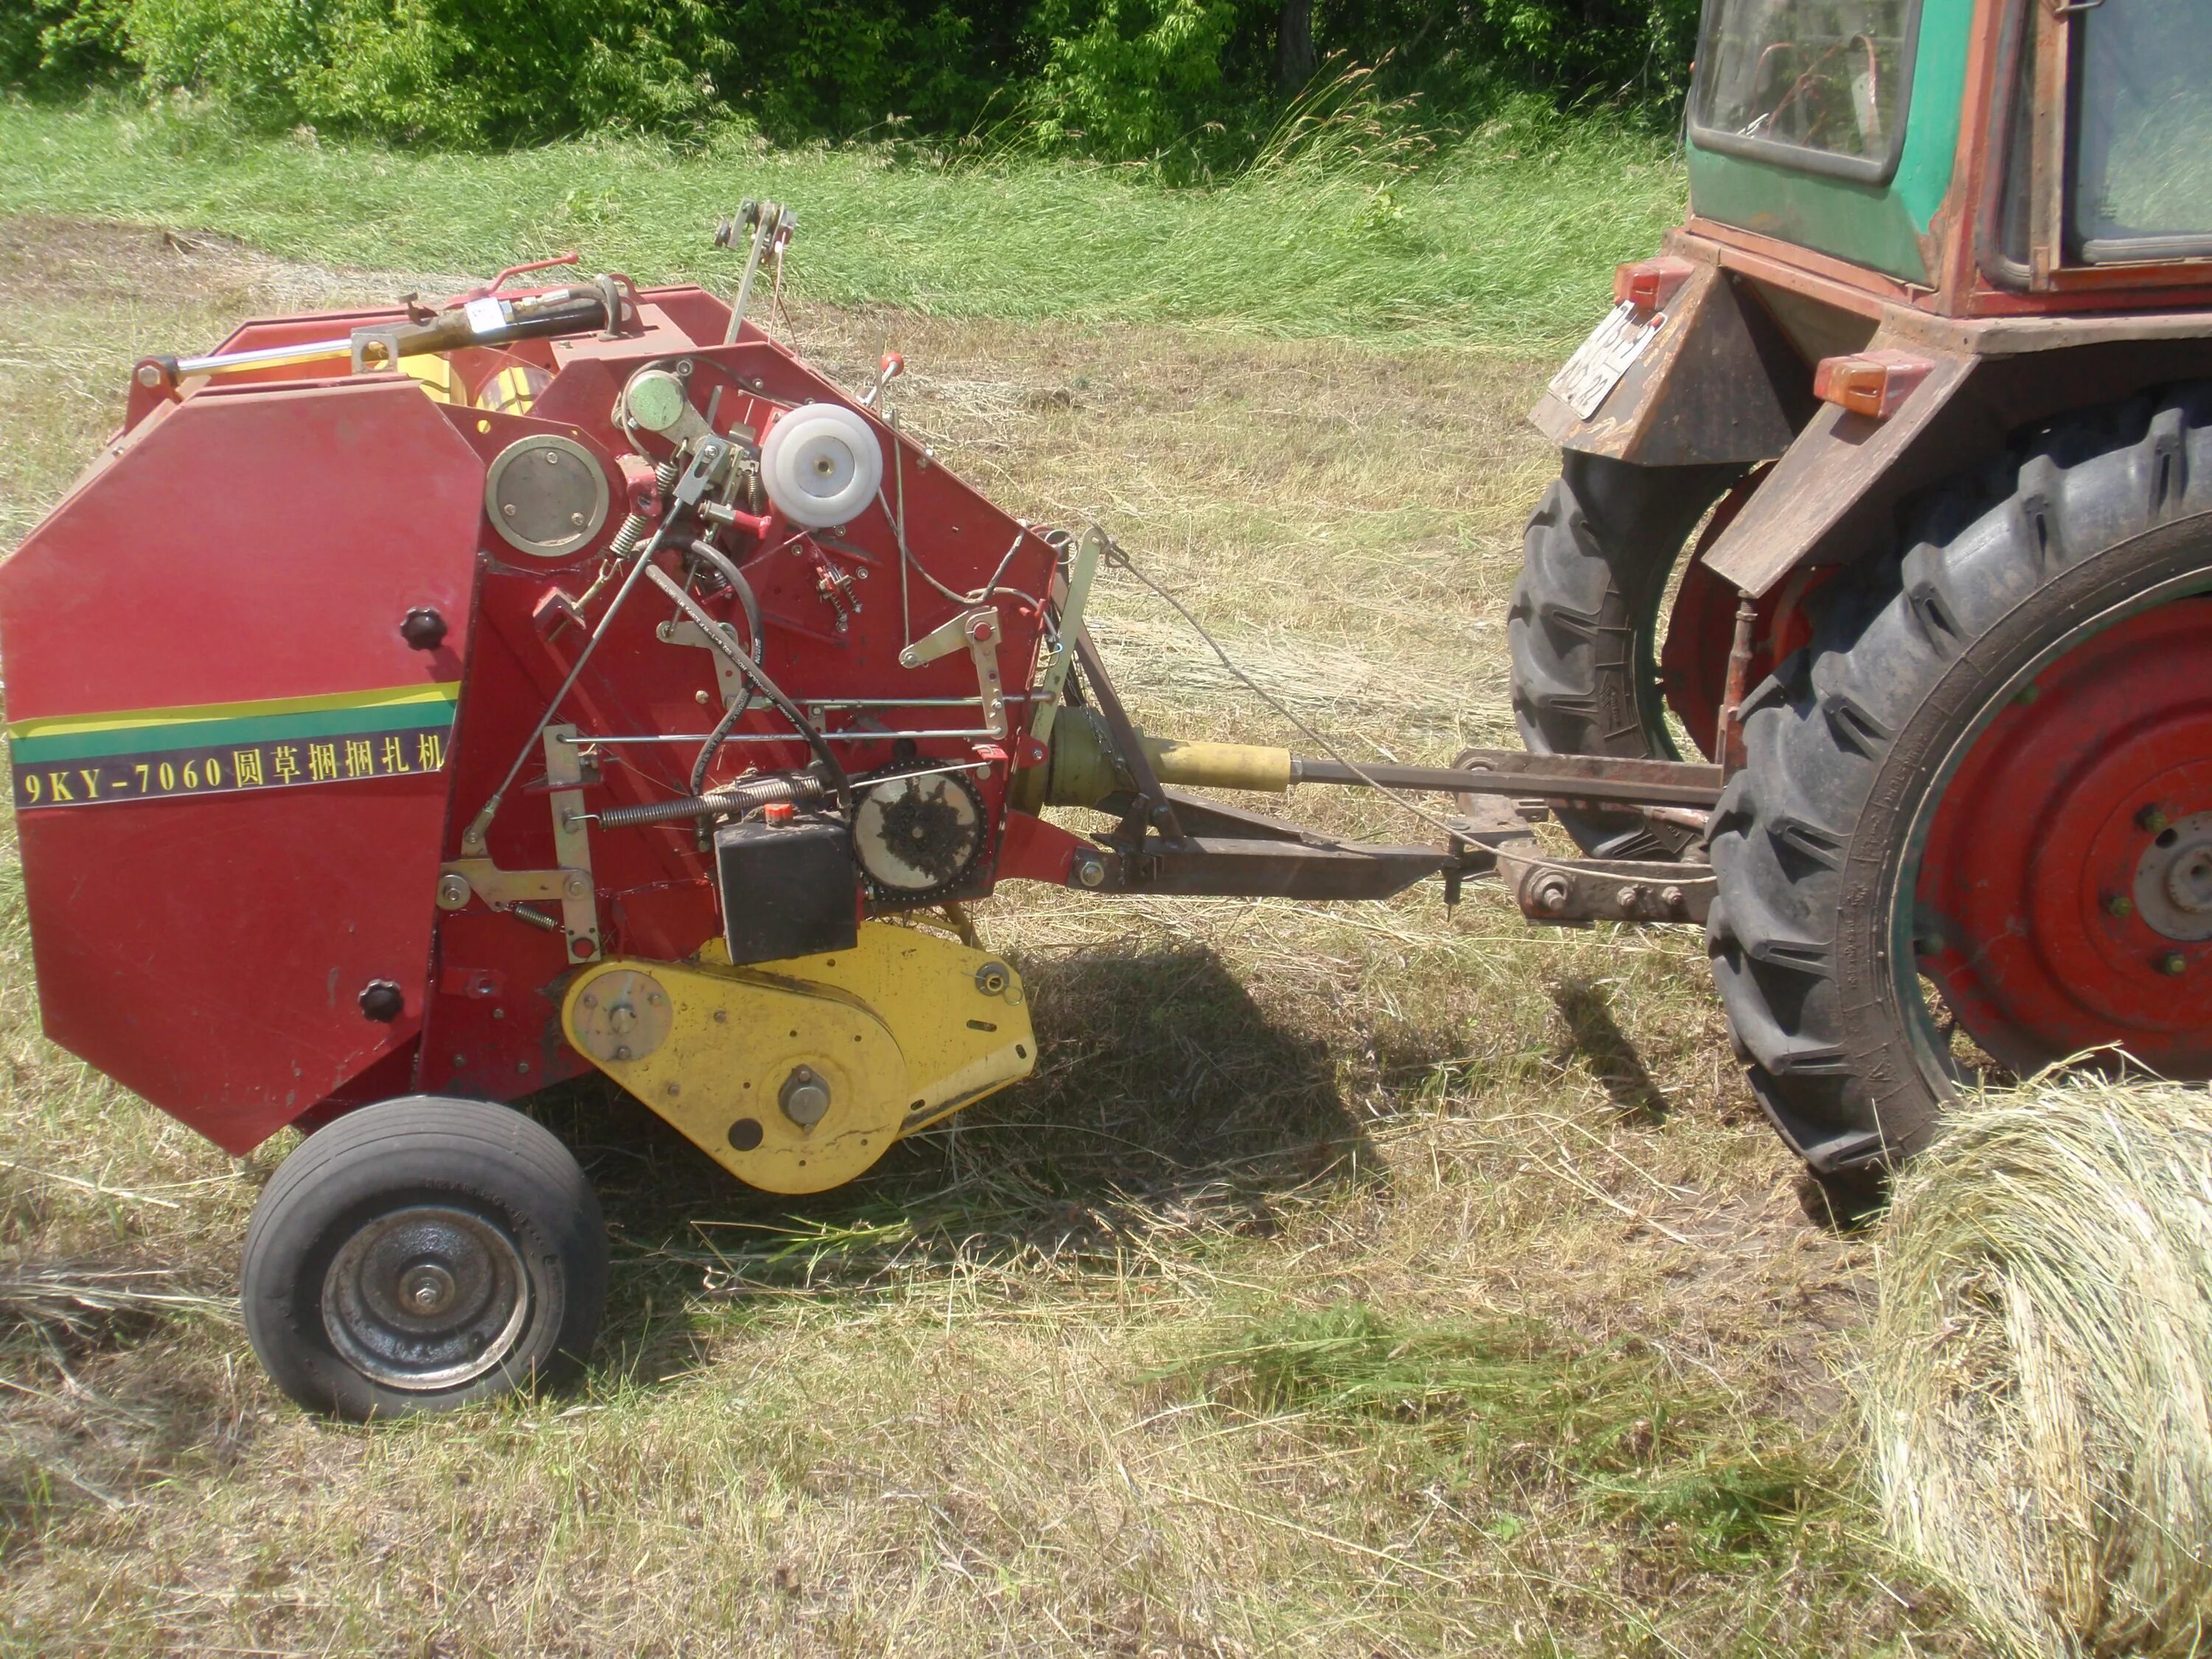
(633, 527)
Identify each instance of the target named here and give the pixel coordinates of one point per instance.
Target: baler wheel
(1973, 836)
(422, 1254)
(1584, 628)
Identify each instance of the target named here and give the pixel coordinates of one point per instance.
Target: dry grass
(1349, 1280)
(2040, 1390)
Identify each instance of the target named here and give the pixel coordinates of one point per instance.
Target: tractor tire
(1584, 623)
(1991, 743)
(420, 1255)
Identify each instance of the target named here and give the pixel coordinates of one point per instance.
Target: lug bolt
(2174, 963)
(2151, 820)
(2120, 905)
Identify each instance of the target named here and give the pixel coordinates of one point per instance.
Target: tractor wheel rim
(2063, 898)
(426, 1298)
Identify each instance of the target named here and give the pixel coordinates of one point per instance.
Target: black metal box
(788, 889)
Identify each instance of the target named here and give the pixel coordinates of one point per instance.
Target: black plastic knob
(423, 629)
(382, 1001)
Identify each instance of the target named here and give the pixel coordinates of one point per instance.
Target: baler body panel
(230, 770)
(256, 541)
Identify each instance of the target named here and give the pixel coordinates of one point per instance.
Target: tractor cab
(1995, 156)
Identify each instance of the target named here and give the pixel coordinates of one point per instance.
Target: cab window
(1818, 84)
(2142, 131)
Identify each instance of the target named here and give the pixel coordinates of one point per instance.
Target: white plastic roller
(822, 464)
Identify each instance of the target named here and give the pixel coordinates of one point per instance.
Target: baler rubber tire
(1847, 738)
(1583, 623)
(486, 1160)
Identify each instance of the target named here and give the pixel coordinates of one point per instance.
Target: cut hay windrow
(2039, 1375)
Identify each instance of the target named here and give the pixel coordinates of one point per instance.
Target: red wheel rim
(2064, 901)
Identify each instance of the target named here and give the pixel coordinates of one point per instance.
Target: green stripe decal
(204, 726)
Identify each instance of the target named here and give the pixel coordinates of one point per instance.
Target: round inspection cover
(546, 495)
(917, 835)
(822, 464)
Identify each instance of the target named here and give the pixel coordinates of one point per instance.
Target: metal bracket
(374, 351)
(1081, 569)
(977, 629)
(1573, 892)
(729, 681)
(458, 879)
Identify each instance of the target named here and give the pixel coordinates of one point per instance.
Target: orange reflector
(1871, 383)
(1648, 284)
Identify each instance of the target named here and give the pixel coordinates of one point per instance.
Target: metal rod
(263, 356)
(1510, 772)
(584, 740)
(473, 838)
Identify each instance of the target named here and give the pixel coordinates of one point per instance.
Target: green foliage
(1187, 81)
(448, 71)
(62, 46)
(1131, 77)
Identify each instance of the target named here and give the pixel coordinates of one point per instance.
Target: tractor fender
(1718, 382)
(1834, 495)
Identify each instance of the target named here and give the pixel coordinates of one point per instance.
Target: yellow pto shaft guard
(795, 1076)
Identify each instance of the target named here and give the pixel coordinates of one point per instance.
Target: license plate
(1591, 374)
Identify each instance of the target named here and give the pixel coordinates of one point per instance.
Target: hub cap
(2064, 899)
(426, 1298)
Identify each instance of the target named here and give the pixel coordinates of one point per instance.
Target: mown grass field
(1349, 1280)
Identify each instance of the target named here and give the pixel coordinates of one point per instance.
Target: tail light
(1870, 383)
(1648, 284)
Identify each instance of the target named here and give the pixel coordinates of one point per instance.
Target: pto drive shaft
(1083, 770)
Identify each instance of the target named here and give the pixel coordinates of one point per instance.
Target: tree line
(1114, 79)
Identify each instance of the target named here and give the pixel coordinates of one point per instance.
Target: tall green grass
(1504, 241)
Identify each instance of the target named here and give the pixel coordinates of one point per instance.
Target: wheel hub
(428, 1297)
(2174, 880)
(2064, 897)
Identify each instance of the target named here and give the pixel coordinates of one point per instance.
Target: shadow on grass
(1165, 1099)
(1596, 1035)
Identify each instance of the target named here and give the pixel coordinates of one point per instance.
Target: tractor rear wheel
(1973, 836)
(1584, 624)
(422, 1254)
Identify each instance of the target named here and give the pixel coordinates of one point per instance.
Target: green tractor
(1888, 486)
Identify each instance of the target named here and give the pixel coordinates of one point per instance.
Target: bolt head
(2173, 964)
(148, 376)
(1627, 898)
(2120, 905)
(2152, 820)
(1091, 872)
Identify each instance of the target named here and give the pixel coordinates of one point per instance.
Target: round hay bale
(2039, 1375)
